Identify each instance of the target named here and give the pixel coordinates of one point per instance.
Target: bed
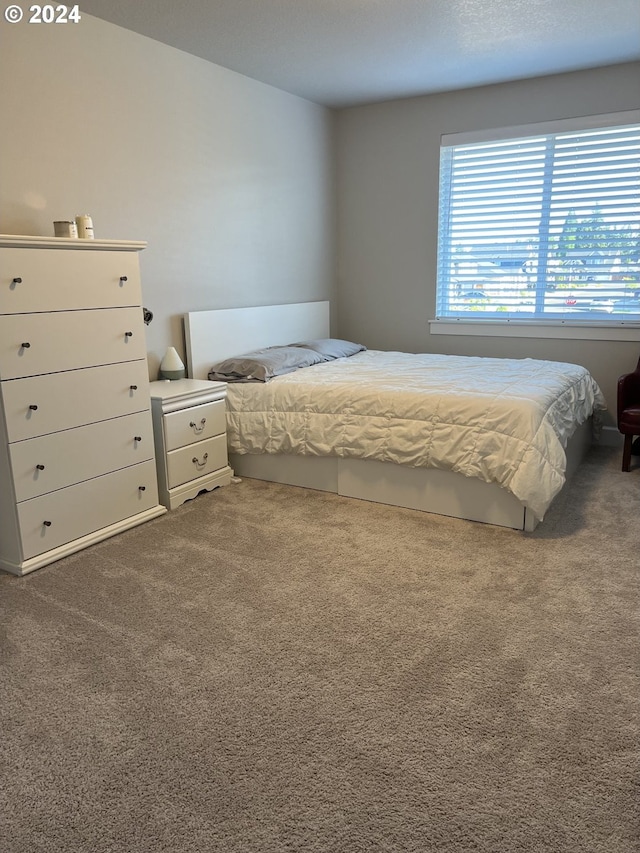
(488, 440)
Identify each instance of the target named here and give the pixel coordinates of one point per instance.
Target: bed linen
(505, 421)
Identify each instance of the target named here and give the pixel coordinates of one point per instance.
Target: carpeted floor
(271, 669)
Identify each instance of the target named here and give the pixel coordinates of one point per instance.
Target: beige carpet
(271, 669)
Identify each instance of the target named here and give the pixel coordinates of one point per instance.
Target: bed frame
(211, 336)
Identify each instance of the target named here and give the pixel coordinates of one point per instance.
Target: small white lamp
(171, 366)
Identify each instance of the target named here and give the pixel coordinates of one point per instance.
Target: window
(541, 224)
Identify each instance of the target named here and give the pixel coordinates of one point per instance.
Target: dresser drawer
(60, 517)
(55, 280)
(196, 460)
(42, 465)
(33, 344)
(187, 426)
(43, 404)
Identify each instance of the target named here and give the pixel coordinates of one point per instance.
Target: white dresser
(77, 459)
(189, 419)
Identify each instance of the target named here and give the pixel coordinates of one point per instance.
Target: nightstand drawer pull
(40, 467)
(17, 280)
(137, 438)
(47, 523)
(198, 463)
(33, 407)
(142, 488)
(128, 334)
(133, 387)
(123, 278)
(194, 426)
(25, 345)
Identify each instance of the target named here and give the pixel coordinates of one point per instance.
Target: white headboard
(211, 336)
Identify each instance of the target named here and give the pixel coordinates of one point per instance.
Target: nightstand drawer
(197, 423)
(54, 280)
(42, 465)
(52, 520)
(42, 404)
(33, 344)
(196, 460)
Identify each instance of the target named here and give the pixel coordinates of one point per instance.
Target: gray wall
(387, 180)
(228, 180)
(231, 182)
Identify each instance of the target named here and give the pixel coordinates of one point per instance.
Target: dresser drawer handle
(194, 426)
(128, 334)
(198, 463)
(33, 407)
(137, 438)
(133, 387)
(123, 278)
(47, 523)
(40, 467)
(142, 488)
(25, 345)
(17, 280)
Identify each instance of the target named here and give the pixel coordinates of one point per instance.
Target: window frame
(540, 326)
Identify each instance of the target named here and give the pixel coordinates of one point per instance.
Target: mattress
(505, 421)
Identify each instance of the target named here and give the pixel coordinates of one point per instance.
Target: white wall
(228, 180)
(387, 180)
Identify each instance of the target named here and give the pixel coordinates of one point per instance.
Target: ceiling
(346, 52)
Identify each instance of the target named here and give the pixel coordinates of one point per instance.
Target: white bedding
(501, 420)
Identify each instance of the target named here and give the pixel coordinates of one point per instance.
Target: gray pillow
(263, 364)
(331, 347)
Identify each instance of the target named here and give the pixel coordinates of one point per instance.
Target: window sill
(535, 329)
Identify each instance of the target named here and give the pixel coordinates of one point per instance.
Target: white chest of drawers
(189, 421)
(77, 459)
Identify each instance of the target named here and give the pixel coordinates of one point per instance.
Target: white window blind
(542, 224)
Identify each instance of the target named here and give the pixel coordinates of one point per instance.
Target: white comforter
(502, 420)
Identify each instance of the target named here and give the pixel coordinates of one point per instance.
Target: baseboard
(610, 437)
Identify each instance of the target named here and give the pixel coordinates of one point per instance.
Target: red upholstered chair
(629, 411)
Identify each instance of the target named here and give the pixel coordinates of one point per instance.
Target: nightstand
(190, 434)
